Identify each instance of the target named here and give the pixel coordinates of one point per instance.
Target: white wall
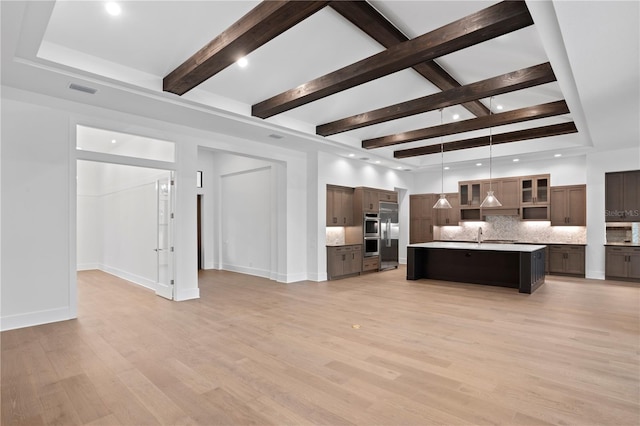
(129, 234)
(89, 236)
(246, 221)
(36, 253)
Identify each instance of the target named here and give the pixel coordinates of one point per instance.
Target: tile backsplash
(335, 235)
(623, 233)
(513, 229)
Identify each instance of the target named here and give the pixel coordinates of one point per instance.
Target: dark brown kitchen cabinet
(371, 200)
(506, 190)
(339, 206)
(421, 217)
(469, 199)
(622, 263)
(367, 200)
(534, 197)
(568, 205)
(344, 261)
(622, 196)
(371, 263)
(566, 260)
(448, 217)
(469, 194)
(388, 196)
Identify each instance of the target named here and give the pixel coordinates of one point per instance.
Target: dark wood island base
(505, 265)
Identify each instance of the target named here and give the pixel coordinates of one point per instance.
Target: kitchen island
(518, 266)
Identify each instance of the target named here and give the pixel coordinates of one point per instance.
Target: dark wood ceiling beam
(494, 21)
(263, 23)
(516, 80)
(373, 23)
(509, 117)
(520, 135)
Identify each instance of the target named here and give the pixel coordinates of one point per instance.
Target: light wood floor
(252, 351)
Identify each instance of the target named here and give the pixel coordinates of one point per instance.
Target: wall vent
(80, 88)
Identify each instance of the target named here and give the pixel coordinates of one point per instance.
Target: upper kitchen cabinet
(469, 199)
(448, 217)
(534, 197)
(339, 206)
(369, 198)
(622, 196)
(569, 205)
(507, 191)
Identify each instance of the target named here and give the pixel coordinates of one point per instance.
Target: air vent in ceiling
(80, 88)
(275, 136)
(364, 158)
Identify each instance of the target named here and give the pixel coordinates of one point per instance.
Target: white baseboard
(136, 279)
(247, 270)
(317, 277)
(187, 294)
(292, 278)
(31, 319)
(87, 266)
(402, 261)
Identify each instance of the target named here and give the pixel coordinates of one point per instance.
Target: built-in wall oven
(371, 246)
(371, 225)
(371, 230)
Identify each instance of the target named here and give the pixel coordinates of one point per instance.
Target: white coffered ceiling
(592, 47)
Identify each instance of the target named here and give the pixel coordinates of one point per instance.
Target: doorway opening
(124, 223)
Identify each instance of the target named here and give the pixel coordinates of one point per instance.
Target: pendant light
(490, 200)
(442, 203)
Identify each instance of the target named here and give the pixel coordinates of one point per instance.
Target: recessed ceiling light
(447, 167)
(352, 155)
(478, 164)
(456, 116)
(558, 155)
(399, 167)
(113, 8)
(113, 141)
(515, 160)
(377, 161)
(243, 62)
(499, 107)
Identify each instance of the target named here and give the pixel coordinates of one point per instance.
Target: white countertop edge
(482, 246)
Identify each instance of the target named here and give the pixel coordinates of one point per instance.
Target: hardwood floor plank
(163, 408)
(57, 408)
(251, 351)
(84, 398)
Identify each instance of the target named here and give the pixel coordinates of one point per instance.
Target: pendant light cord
(441, 157)
(490, 148)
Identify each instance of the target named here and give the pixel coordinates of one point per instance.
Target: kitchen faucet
(479, 234)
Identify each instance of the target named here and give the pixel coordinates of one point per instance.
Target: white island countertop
(527, 248)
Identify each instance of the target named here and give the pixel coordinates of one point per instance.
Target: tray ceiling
(151, 39)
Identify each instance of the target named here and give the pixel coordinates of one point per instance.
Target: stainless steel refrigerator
(389, 234)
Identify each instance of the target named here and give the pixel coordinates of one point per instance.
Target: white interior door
(165, 251)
